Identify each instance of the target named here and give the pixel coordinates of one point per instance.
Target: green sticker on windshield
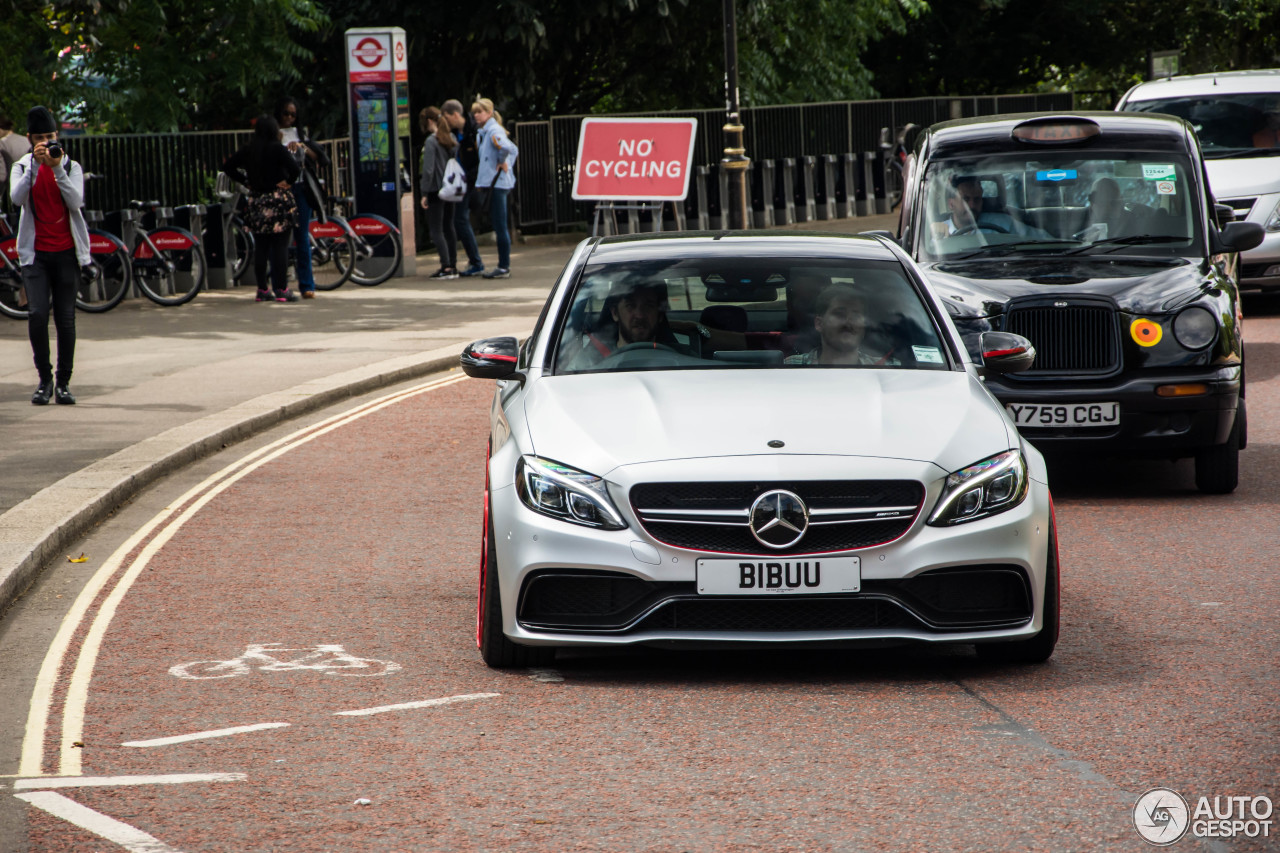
(1158, 173)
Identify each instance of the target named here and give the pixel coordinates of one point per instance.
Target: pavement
(160, 387)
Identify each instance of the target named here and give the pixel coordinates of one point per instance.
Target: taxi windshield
(720, 314)
(1245, 125)
(1048, 201)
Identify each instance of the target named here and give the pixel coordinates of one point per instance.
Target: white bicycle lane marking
(331, 659)
(32, 761)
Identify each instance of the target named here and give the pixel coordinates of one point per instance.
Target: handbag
(484, 193)
(454, 186)
(272, 212)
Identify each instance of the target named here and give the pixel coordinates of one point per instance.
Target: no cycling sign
(634, 158)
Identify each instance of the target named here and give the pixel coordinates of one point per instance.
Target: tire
(1039, 648)
(495, 649)
(111, 259)
(378, 250)
(1218, 467)
(176, 274)
(331, 253)
(240, 239)
(13, 296)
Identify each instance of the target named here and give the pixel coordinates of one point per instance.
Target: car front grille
(961, 598)
(1071, 336)
(844, 514)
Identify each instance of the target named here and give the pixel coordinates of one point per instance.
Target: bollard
(849, 207)
(764, 217)
(806, 209)
(827, 210)
(788, 191)
(704, 216)
(867, 186)
(883, 202)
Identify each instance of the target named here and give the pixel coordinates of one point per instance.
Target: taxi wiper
(1113, 243)
(1007, 248)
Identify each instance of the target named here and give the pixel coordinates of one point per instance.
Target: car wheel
(1218, 467)
(1039, 648)
(495, 649)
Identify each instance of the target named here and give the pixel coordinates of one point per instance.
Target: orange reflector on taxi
(1145, 332)
(1055, 130)
(1187, 389)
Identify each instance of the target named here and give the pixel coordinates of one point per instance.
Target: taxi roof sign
(1055, 130)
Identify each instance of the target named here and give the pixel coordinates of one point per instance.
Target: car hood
(597, 422)
(981, 287)
(1248, 176)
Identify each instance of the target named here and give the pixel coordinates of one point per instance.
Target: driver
(841, 323)
(636, 314)
(964, 203)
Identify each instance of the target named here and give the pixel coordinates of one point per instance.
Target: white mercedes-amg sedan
(723, 440)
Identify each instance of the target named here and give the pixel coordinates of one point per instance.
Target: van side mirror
(1004, 352)
(492, 358)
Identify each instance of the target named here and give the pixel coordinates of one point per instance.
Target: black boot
(43, 392)
(62, 394)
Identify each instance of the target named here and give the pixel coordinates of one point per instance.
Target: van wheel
(1218, 467)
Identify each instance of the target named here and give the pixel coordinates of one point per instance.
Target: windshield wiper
(1114, 243)
(1007, 248)
(1240, 153)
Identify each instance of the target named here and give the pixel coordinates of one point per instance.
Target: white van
(1236, 114)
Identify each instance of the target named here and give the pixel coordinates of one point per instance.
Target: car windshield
(1049, 201)
(734, 313)
(1245, 125)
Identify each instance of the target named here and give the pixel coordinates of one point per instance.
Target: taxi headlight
(1195, 327)
(566, 493)
(982, 489)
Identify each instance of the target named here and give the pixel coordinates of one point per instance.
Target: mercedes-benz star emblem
(779, 519)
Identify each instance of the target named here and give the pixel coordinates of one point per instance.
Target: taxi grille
(1077, 338)
(844, 514)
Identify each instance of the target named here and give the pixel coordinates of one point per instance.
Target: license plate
(803, 576)
(1064, 414)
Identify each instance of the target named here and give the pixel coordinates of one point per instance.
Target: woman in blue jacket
(497, 157)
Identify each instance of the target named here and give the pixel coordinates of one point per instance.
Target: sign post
(634, 159)
(378, 98)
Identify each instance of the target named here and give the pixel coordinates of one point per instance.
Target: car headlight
(566, 493)
(983, 489)
(1195, 327)
(1273, 224)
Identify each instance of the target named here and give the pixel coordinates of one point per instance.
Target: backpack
(454, 186)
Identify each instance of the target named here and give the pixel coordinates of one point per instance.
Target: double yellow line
(167, 522)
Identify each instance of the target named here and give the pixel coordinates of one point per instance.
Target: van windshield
(1245, 125)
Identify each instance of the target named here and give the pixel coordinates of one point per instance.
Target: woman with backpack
(436, 154)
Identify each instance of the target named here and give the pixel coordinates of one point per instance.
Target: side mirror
(1004, 352)
(1223, 214)
(492, 358)
(1238, 237)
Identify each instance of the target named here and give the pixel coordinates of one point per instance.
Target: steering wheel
(991, 226)
(638, 346)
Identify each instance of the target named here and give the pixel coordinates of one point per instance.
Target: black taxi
(1095, 236)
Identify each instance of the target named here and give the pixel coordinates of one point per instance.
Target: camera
(54, 149)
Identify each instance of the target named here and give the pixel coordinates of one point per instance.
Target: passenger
(1107, 217)
(1268, 136)
(841, 324)
(636, 314)
(964, 203)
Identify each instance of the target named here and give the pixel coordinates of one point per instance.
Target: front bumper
(566, 585)
(1149, 424)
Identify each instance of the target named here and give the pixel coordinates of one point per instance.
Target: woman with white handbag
(437, 154)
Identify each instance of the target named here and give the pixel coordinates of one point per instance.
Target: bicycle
(102, 285)
(168, 264)
(378, 248)
(330, 659)
(236, 236)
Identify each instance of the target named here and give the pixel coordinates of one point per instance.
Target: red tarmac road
(366, 537)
